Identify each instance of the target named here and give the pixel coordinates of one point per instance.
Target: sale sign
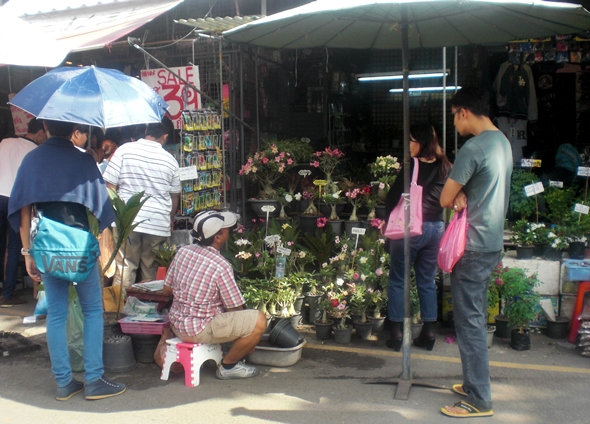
(20, 118)
(176, 93)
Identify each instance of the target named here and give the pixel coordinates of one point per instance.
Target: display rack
(201, 147)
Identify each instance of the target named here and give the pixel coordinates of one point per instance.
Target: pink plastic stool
(191, 356)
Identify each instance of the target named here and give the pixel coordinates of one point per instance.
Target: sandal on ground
(458, 388)
(470, 411)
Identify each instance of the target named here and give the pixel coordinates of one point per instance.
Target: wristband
(25, 252)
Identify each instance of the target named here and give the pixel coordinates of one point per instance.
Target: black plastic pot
(502, 327)
(558, 329)
(284, 335)
(552, 254)
(117, 353)
(363, 329)
(144, 347)
(524, 252)
(520, 341)
(576, 249)
(323, 331)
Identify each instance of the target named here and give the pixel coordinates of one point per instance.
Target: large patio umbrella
(405, 24)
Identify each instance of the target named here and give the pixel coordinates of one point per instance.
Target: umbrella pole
(405, 382)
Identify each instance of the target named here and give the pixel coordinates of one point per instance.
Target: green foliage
(300, 150)
(320, 244)
(559, 202)
(414, 299)
(125, 214)
(521, 298)
(165, 254)
(519, 202)
(526, 233)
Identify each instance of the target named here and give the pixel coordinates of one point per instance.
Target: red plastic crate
(137, 327)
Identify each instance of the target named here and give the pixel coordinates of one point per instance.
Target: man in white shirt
(144, 165)
(12, 152)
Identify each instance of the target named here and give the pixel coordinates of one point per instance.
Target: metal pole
(444, 104)
(257, 101)
(407, 158)
(456, 83)
(221, 111)
(242, 141)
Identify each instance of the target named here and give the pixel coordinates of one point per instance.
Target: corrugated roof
(219, 24)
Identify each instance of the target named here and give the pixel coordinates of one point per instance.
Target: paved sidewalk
(550, 383)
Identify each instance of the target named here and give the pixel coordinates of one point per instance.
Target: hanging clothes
(515, 131)
(515, 92)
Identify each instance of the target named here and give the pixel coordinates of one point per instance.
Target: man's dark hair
(114, 135)
(35, 125)
(205, 242)
(159, 129)
(475, 99)
(59, 128)
(134, 132)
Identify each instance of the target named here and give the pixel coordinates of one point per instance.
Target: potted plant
(384, 170)
(359, 301)
(521, 301)
(523, 236)
(342, 332)
(521, 204)
(323, 326)
(327, 160)
(267, 166)
(164, 256)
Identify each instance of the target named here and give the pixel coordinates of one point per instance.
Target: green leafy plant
(414, 300)
(521, 298)
(520, 203)
(526, 233)
(165, 254)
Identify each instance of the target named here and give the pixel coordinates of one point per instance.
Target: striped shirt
(203, 286)
(144, 165)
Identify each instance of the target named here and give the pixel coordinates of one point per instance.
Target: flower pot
(363, 329)
(144, 346)
(416, 330)
(520, 341)
(538, 250)
(524, 252)
(380, 211)
(298, 303)
(326, 209)
(307, 223)
(284, 335)
(323, 331)
(161, 273)
(117, 354)
(342, 335)
(502, 327)
(552, 254)
(335, 226)
(491, 330)
(558, 329)
(257, 204)
(296, 320)
(576, 249)
(378, 324)
(349, 225)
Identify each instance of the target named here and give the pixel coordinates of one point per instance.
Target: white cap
(208, 223)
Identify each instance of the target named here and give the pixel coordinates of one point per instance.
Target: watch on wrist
(25, 252)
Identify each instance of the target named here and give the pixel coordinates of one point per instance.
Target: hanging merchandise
(201, 135)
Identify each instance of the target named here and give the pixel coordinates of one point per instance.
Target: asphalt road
(548, 384)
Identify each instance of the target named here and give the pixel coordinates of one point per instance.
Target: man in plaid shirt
(208, 306)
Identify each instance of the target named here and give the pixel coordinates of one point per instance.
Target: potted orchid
(265, 167)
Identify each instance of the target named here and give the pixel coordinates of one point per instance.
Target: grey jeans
(469, 283)
(138, 250)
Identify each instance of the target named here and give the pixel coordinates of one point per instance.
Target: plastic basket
(578, 270)
(137, 327)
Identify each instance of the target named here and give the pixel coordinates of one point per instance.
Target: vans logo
(65, 264)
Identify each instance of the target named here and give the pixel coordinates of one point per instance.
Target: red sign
(176, 93)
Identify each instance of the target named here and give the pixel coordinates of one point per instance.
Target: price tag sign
(558, 184)
(583, 171)
(272, 239)
(283, 250)
(359, 231)
(304, 172)
(533, 189)
(188, 173)
(268, 208)
(530, 163)
(320, 183)
(582, 208)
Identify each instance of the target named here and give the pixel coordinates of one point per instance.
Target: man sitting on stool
(208, 306)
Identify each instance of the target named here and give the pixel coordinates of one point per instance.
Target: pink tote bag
(395, 223)
(452, 245)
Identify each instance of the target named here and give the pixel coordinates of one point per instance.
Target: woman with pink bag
(432, 173)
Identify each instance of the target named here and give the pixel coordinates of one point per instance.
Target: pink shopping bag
(452, 245)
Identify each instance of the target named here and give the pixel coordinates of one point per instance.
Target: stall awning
(42, 33)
